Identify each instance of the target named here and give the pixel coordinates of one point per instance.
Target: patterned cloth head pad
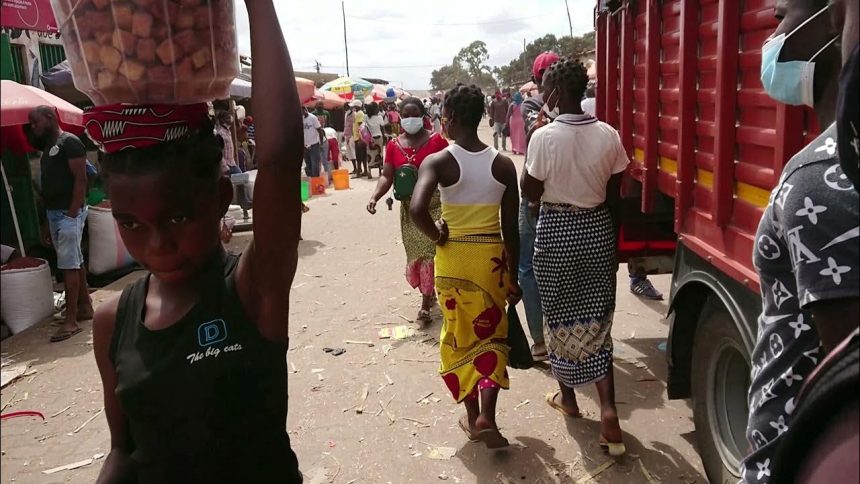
(119, 127)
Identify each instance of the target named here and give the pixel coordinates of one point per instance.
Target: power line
(465, 24)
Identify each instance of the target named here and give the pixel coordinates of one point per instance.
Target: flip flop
(615, 449)
(64, 335)
(493, 439)
(550, 400)
(464, 426)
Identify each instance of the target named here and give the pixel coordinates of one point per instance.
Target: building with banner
(29, 40)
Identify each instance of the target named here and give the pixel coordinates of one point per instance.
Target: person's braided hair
(568, 75)
(466, 103)
(414, 101)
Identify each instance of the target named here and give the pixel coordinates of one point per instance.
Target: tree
(468, 67)
(519, 70)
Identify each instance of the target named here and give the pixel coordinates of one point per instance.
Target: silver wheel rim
(729, 374)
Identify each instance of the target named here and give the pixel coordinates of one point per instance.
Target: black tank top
(206, 398)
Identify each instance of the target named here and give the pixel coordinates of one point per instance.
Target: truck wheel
(720, 380)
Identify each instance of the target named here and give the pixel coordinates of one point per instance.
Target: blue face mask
(789, 82)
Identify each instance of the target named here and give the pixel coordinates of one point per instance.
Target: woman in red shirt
(411, 148)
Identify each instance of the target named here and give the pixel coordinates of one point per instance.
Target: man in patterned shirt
(807, 243)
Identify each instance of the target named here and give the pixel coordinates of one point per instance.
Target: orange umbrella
(329, 99)
(306, 88)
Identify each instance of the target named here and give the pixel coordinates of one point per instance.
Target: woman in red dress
(403, 157)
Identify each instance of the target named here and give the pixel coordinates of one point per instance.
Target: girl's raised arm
(267, 268)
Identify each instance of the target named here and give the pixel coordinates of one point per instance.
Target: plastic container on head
(150, 51)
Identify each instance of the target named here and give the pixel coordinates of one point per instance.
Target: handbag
(520, 356)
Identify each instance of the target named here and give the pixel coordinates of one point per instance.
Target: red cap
(542, 63)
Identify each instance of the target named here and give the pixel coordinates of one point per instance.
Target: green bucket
(306, 190)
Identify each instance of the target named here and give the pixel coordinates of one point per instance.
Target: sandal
(492, 438)
(464, 426)
(550, 400)
(615, 449)
(64, 335)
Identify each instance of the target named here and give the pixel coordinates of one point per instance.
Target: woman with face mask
(806, 251)
(403, 157)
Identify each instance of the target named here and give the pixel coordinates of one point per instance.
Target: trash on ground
(521, 404)
(74, 465)
(596, 472)
(23, 413)
(369, 344)
(335, 351)
(88, 421)
(9, 375)
(441, 453)
(397, 332)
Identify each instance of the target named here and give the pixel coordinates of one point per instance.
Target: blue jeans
(66, 235)
(312, 160)
(528, 283)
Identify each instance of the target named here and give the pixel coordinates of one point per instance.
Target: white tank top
(477, 185)
(471, 205)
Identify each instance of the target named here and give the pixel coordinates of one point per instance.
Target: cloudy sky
(404, 40)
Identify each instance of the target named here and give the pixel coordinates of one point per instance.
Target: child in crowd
(193, 356)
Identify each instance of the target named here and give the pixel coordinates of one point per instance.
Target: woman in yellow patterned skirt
(476, 260)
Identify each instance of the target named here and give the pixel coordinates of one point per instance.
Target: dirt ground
(349, 285)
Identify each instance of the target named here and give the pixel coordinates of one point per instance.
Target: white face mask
(551, 113)
(412, 125)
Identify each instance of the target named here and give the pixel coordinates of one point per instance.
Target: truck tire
(720, 380)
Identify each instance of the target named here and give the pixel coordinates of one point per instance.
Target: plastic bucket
(318, 185)
(340, 179)
(306, 190)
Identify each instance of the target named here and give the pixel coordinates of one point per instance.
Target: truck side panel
(680, 81)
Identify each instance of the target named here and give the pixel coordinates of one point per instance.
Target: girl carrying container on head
(193, 356)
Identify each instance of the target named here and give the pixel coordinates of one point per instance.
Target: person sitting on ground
(476, 260)
(193, 356)
(574, 168)
(404, 156)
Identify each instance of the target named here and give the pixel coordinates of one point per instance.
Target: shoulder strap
(128, 311)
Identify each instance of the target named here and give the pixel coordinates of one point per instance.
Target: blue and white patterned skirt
(575, 268)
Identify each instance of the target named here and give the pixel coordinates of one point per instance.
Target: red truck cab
(680, 81)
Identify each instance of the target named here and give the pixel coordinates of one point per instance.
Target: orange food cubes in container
(150, 51)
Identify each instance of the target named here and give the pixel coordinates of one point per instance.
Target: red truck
(679, 79)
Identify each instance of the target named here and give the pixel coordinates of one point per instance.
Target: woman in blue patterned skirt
(573, 163)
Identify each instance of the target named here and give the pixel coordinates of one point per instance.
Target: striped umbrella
(348, 87)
